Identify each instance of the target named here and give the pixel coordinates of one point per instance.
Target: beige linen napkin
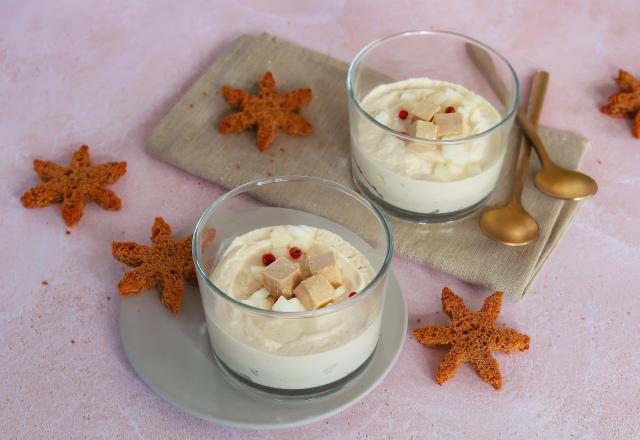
(188, 138)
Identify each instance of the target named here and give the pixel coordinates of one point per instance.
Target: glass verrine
(300, 352)
(404, 157)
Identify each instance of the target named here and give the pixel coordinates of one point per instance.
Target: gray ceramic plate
(173, 356)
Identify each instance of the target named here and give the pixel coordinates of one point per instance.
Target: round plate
(172, 355)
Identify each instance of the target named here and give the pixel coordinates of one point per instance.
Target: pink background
(104, 73)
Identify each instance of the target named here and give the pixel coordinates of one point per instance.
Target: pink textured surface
(104, 73)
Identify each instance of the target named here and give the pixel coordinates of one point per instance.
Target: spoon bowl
(565, 184)
(553, 180)
(510, 224)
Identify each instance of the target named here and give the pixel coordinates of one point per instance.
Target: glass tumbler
(304, 352)
(411, 174)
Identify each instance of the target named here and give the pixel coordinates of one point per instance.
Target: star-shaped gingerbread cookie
(165, 265)
(74, 185)
(472, 337)
(626, 102)
(269, 112)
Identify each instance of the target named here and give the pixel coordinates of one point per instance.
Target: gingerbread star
(165, 265)
(472, 337)
(75, 185)
(269, 112)
(626, 102)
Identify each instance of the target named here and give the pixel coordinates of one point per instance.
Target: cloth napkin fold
(187, 137)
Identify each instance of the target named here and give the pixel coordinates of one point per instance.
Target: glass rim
(375, 43)
(280, 179)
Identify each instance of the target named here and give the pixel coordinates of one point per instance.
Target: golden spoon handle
(484, 62)
(532, 134)
(536, 100)
(482, 59)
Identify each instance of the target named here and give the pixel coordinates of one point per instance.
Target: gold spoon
(511, 224)
(552, 180)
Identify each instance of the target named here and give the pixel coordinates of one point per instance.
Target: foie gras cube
(281, 277)
(448, 123)
(322, 264)
(423, 129)
(314, 292)
(425, 109)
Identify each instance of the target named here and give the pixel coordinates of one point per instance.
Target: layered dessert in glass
(293, 300)
(428, 134)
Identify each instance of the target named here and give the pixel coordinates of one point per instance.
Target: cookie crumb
(108, 298)
(205, 94)
(418, 320)
(67, 232)
(73, 341)
(599, 162)
(626, 102)
(45, 283)
(281, 150)
(269, 173)
(208, 236)
(237, 166)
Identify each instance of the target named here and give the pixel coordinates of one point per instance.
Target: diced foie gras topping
(314, 292)
(423, 129)
(425, 109)
(448, 123)
(281, 277)
(323, 264)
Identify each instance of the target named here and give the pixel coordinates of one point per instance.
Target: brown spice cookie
(626, 102)
(471, 337)
(74, 185)
(164, 264)
(269, 111)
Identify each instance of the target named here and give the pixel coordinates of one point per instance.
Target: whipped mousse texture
(427, 177)
(291, 353)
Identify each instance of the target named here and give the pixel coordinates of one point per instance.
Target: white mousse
(427, 177)
(291, 353)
